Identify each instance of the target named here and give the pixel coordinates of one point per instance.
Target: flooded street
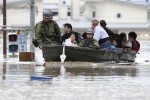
(107, 81)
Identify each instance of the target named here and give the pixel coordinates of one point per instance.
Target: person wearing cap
(47, 31)
(89, 41)
(101, 35)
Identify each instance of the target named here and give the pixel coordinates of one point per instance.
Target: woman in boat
(89, 41)
(71, 41)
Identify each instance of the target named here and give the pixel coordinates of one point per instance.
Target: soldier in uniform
(89, 41)
(47, 31)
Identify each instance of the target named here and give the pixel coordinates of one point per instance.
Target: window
(94, 14)
(68, 13)
(118, 15)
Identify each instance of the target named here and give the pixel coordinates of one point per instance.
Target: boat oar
(63, 56)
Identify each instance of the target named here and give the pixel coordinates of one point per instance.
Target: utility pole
(4, 31)
(32, 23)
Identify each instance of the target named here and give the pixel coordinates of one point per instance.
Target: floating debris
(41, 78)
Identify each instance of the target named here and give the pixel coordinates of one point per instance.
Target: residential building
(120, 15)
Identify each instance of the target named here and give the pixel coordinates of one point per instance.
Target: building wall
(130, 13)
(75, 9)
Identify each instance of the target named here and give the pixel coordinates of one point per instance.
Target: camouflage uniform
(47, 33)
(91, 43)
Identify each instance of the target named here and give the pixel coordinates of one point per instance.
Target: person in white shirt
(101, 35)
(71, 41)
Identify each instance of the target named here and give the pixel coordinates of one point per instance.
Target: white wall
(130, 13)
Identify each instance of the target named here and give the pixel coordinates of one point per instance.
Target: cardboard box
(26, 56)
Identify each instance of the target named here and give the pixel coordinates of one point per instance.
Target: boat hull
(52, 53)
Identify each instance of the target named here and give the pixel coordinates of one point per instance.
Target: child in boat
(71, 41)
(125, 43)
(89, 41)
(122, 41)
(114, 44)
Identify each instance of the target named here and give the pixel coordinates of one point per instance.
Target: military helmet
(47, 13)
(89, 31)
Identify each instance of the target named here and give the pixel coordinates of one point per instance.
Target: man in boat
(101, 35)
(89, 41)
(109, 31)
(47, 31)
(68, 31)
(135, 44)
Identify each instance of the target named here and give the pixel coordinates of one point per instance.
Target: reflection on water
(92, 71)
(12, 71)
(24, 71)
